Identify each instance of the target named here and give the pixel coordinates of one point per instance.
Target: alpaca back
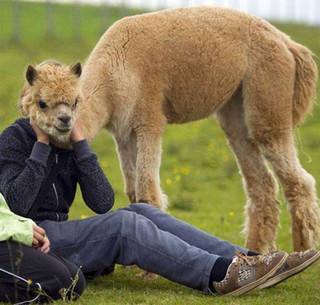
(192, 60)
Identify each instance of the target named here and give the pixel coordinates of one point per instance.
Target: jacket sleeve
(13, 227)
(95, 187)
(21, 172)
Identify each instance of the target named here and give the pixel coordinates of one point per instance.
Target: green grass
(198, 171)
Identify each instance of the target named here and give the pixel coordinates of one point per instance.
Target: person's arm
(21, 171)
(95, 187)
(21, 230)
(13, 227)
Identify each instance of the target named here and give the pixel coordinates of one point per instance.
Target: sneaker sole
(258, 282)
(285, 275)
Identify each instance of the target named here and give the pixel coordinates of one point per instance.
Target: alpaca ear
(31, 74)
(76, 69)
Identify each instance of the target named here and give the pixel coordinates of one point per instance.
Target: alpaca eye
(75, 104)
(42, 104)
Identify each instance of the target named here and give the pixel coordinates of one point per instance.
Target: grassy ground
(198, 173)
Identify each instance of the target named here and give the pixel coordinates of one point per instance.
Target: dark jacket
(25, 164)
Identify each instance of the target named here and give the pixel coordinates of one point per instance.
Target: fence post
(16, 21)
(105, 15)
(49, 19)
(77, 19)
(124, 8)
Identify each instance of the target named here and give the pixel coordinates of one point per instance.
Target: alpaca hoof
(147, 275)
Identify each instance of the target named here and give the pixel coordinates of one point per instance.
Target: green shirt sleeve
(14, 227)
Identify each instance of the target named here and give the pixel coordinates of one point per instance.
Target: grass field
(198, 172)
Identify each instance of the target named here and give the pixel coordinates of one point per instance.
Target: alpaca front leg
(147, 174)
(147, 168)
(127, 152)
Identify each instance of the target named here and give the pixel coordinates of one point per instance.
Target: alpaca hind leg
(300, 192)
(268, 112)
(261, 187)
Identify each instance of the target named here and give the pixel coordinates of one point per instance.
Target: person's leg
(27, 274)
(76, 275)
(128, 238)
(186, 232)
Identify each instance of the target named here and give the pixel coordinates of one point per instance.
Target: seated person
(29, 271)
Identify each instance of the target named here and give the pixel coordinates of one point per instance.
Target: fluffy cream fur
(183, 65)
(56, 86)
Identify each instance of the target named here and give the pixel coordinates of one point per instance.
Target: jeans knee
(139, 207)
(61, 281)
(123, 217)
(126, 222)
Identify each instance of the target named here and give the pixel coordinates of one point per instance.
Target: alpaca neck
(94, 116)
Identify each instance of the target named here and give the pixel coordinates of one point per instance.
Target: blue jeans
(143, 235)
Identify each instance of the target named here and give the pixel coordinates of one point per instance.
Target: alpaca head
(50, 97)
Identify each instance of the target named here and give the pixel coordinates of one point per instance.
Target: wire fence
(296, 11)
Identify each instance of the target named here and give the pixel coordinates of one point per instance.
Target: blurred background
(298, 11)
(198, 172)
(283, 10)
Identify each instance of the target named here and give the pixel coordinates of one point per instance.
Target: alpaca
(182, 65)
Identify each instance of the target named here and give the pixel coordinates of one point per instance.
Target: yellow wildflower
(177, 177)
(231, 213)
(168, 181)
(184, 171)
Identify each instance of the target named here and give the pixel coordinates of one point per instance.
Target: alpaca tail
(305, 86)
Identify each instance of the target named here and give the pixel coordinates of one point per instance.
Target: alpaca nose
(64, 118)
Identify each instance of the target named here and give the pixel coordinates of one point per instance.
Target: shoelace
(251, 261)
(301, 254)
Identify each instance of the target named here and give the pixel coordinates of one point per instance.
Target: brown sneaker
(295, 263)
(248, 272)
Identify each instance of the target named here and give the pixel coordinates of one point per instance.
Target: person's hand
(45, 245)
(41, 135)
(76, 134)
(38, 236)
(40, 240)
